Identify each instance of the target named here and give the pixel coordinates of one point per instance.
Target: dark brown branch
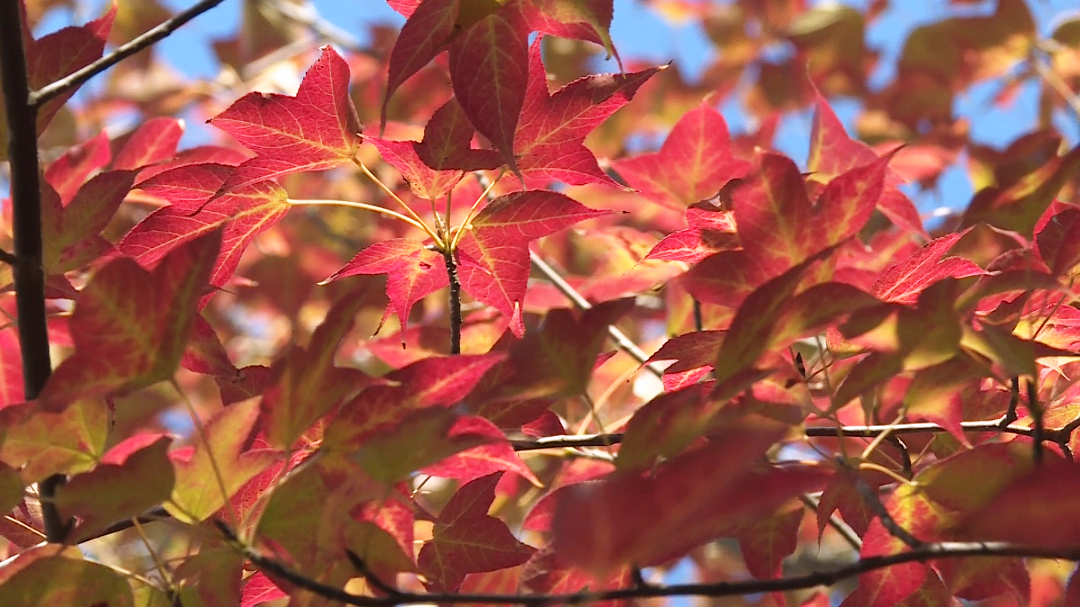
(870, 498)
(1038, 432)
(26, 226)
(601, 440)
(8, 258)
(455, 302)
(925, 553)
(375, 581)
(65, 84)
(905, 456)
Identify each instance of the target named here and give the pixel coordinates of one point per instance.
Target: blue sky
(639, 32)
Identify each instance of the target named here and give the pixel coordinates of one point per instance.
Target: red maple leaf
(548, 144)
(318, 129)
(494, 252)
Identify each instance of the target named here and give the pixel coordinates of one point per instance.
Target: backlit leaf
(602, 525)
(316, 130)
(494, 255)
(694, 163)
(413, 271)
(137, 478)
(548, 143)
(198, 491)
(489, 69)
(130, 326)
(241, 213)
(466, 540)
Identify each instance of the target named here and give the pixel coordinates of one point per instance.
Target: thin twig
(8, 258)
(65, 84)
(926, 552)
(375, 581)
(1014, 401)
(306, 14)
(621, 340)
(1054, 80)
(870, 498)
(905, 456)
(597, 440)
(27, 268)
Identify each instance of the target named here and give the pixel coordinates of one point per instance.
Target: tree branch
(44, 94)
(940, 550)
(27, 268)
(8, 258)
(455, 301)
(601, 440)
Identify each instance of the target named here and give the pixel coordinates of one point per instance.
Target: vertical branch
(26, 222)
(455, 302)
(1038, 430)
(699, 319)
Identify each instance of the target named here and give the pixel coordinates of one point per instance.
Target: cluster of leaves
(840, 378)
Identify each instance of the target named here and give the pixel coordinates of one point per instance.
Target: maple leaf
(321, 496)
(904, 280)
(36, 575)
(242, 213)
(67, 442)
(413, 271)
(695, 162)
(130, 326)
(604, 525)
(555, 361)
(548, 143)
(710, 231)
(466, 540)
(70, 171)
(832, 152)
(71, 233)
(310, 385)
(220, 464)
(494, 252)
(489, 70)
(579, 19)
(316, 130)
(151, 142)
(495, 456)
(433, 166)
(429, 382)
(1018, 203)
(107, 494)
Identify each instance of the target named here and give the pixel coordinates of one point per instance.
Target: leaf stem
(391, 194)
(370, 207)
(27, 270)
(63, 85)
(485, 195)
(205, 440)
(455, 301)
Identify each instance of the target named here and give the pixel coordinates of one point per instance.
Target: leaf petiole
(375, 209)
(391, 194)
(469, 216)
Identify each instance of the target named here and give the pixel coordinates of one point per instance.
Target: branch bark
(927, 552)
(27, 268)
(601, 440)
(44, 94)
(455, 302)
